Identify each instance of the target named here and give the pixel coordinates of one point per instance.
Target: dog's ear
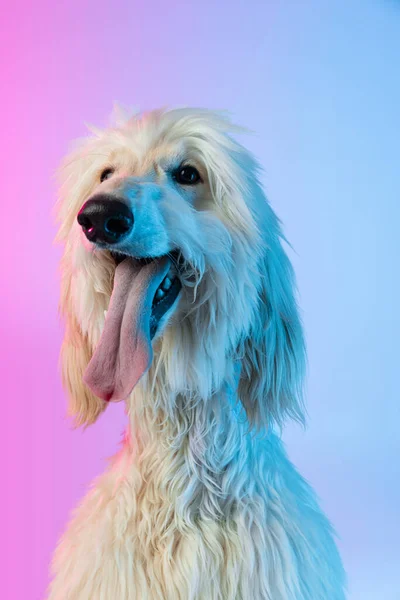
(273, 354)
(85, 285)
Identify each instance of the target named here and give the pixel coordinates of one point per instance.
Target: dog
(179, 299)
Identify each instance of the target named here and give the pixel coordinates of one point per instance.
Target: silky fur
(201, 502)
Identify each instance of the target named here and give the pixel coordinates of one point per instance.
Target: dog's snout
(105, 219)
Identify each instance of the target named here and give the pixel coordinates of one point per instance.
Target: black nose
(105, 219)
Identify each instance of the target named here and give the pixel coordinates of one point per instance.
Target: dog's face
(169, 235)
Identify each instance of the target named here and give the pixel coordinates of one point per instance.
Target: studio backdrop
(318, 84)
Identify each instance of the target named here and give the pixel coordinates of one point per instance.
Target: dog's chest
(133, 538)
(152, 530)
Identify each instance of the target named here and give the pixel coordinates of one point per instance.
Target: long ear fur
(273, 362)
(272, 350)
(85, 288)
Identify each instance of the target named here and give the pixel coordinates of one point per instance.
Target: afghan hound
(180, 300)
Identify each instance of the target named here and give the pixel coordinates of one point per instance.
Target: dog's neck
(176, 443)
(171, 420)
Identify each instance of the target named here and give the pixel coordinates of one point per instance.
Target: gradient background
(319, 83)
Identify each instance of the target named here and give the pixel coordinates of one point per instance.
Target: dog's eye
(186, 175)
(106, 174)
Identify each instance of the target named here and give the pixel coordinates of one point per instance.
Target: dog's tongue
(124, 352)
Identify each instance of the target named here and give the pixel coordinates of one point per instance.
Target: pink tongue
(124, 352)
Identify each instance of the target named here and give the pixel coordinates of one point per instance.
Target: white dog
(179, 299)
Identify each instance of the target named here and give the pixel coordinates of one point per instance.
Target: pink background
(319, 83)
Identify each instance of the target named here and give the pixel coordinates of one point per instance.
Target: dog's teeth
(166, 284)
(160, 294)
(105, 314)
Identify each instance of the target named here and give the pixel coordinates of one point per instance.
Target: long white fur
(201, 502)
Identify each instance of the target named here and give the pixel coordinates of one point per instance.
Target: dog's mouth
(145, 291)
(168, 290)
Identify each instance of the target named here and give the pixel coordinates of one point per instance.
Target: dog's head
(173, 256)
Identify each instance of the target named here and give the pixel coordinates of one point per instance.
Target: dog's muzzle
(105, 219)
(145, 293)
